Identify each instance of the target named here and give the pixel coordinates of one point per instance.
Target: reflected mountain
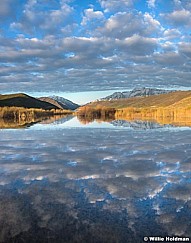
(21, 110)
(140, 123)
(143, 125)
(96, 185)
(26, 122)
(57, 119)
(171, 108)
(161, 116)
(137, 119)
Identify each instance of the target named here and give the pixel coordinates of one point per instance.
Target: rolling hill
(174, 99)
(173, 108)
(23, 100)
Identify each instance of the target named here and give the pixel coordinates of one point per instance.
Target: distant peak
(137, 92)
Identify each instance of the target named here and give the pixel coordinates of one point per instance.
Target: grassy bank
(173, 108)
(17, 117)
(28, 113)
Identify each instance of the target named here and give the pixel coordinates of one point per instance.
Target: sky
(72, 46)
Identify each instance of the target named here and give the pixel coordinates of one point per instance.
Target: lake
(99, 182)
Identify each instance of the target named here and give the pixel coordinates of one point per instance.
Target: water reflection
(31, 121)
(137, 119)
(140, 124)
(61, 121)
(94, 185)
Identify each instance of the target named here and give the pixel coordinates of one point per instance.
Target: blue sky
(70, 45)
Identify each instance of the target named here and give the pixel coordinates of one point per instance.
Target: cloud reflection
(80, 177)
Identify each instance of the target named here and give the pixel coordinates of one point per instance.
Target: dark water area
(97, 183)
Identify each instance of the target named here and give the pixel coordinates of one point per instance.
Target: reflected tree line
(18, 118)
(87, 115)
(163, 116)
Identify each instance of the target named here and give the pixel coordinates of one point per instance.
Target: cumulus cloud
(170, 34)
(34, 20)
(115, 5)
(179, 18)
(151, 3)
(138, 45)
(90, 14)
(182, 4)
(169, 58)
(185, 48)
(126, 24)
(177, 2)
(108, 44)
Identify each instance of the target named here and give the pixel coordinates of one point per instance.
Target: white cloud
(135, 55)
(91, 15)
(152, 24)
(170, 34)
(185, 48)
(35, 20)
(179, 17)
(151, 3)
(169, 58)
(112, 44)
(115, 5)
(185, 4)
(125, 24)
(177, 3)
(138, 45)
(168, 46)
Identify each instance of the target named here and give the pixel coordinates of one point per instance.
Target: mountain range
(167, 107)
(137, 92)
(60, 102)
(65, 102)
(137, 98)
(175, 99)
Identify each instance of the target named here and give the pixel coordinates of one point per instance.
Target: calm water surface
(64, 182)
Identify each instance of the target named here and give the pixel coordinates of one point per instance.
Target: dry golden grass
(162, 100)
(160, 115)
(17, 117)
(16, 112)
(10, 96)
(172, 108)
